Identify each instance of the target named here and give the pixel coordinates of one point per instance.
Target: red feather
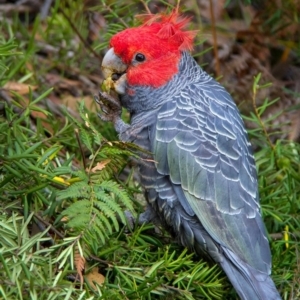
(172, 26)
(161, 38)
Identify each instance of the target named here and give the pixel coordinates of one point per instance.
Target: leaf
(86, 139)
(78, 214)
(75, 190)
(154, 268)
(100, 165)
(94, 277)
(79, 264)
(111, 186)
(20, 88)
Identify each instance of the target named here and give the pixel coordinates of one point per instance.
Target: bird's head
(147, 55)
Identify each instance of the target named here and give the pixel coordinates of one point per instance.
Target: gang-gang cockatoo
(201, 179)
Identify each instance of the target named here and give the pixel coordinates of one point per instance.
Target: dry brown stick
(109, 264)
(146, 7)
(49, 225)
(280, 235)
(86, 44)
(260, 120)
(112, 12)
(81, 148)
(214, 34)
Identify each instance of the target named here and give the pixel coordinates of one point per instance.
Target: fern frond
(101, 195)
(76, 190)
(85, 137)
(79, 222)
(99, 231)
(108, 212)
(97, 137)
(98, 226)
(78, 214)
(101, 218)
(81, 175)
(98, 210)
(122, 195)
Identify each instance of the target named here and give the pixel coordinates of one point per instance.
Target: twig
(177, 6)
(259, 119)
(49, 225)
(114, 14)
(280, 235)
(8, 100)
(276, 236)
(146, 7)
(80, 147)
(214, 34)
(86, 44)
(109, 264)
(8, 8)
(45, 9)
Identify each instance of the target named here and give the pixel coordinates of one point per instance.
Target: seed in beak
(116, 76)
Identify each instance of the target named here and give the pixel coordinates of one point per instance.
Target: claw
(110, 107)
(96, 98)
(107, 98)
(101, 104)
(104, 118)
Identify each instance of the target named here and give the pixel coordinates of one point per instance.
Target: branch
(214, 34)
(86, 44)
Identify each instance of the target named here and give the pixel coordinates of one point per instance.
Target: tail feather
(249, 283)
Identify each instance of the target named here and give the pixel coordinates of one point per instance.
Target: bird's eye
(140, 57)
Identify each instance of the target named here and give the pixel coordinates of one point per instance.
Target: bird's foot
(148, 216)
(110, 106)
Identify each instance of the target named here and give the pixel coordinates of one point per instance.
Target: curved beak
(112, 65)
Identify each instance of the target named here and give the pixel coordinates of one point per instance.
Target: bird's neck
(142, 98)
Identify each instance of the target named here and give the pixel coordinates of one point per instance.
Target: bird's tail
(249, 283)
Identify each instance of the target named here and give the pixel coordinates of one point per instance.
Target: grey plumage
(203, 183)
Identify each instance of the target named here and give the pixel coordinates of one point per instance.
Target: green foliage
(278, 167)
(118, 16)
(142, 268)
(7, 49)
(60, 192)
(38, 179)
(27, 268)
(95, 209)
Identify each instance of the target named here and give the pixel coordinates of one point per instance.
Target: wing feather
(202, 145)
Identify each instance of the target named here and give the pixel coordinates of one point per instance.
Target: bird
(200, 177)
